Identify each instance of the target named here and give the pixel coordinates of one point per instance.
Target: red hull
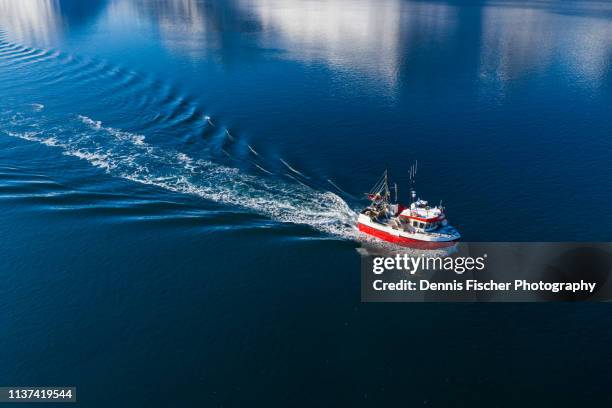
(403, 241)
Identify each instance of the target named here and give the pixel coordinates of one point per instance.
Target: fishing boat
(416, 225)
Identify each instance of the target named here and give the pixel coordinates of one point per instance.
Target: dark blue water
(179, 181)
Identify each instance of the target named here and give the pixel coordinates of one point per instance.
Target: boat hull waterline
(388, 234)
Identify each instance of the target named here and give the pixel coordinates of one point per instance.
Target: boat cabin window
(426, 226)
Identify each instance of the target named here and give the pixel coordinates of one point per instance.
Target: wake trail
(293, 170)
(261, 168)
(129, 156)
(253, 150)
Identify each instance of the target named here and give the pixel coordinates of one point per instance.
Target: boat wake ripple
(251, 181)
(129, 156)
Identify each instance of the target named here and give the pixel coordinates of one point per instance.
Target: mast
(387, 194)
(380, 191)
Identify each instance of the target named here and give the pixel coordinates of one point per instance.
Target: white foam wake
(129, 156)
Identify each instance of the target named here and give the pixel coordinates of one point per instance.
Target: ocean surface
(179, 182)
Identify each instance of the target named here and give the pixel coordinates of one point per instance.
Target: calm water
(179, 179)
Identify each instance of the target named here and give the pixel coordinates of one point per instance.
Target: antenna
(413, 171)
(395, 186)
